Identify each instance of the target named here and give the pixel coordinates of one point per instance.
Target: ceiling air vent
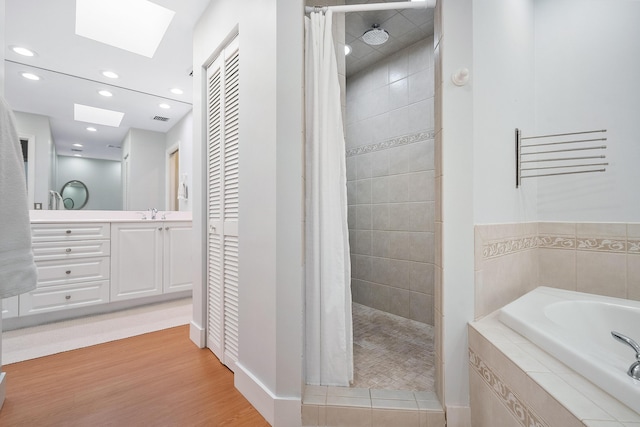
(113, 146)
(161, 119)
(76, 149)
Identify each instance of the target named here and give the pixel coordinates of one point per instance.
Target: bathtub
(576, 329)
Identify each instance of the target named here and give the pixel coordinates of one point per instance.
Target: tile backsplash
(512, 259)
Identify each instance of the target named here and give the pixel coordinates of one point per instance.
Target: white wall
(494, 40)
(2, 8)
(102, 178)
(503, 99)
(38, 126)
(146, 150)
(587, 64)
(182, 135)
(454, 235)
(269, 372)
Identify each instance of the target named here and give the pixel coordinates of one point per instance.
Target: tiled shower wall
(597, 258)
(390, 183)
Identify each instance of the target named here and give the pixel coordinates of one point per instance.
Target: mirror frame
(78, 184)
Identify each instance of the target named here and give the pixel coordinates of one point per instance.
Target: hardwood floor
(156, 379)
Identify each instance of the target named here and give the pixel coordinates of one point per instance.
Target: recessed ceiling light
(165, 106)
(105, 93)
(78, 145)
(92, 129)
(23, 51)
(137, 26)
(347, 49)
(110, 74)
(77, 155)
(30, 76)
(177, 91)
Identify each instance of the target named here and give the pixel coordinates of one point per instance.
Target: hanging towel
(17, 269)
(183, 192)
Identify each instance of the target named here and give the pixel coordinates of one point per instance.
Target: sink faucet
(634, 369)
(153, 211)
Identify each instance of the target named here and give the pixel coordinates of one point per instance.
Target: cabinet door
(136, 260)
(178, 255)
(10, 307)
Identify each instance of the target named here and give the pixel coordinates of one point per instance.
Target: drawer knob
(68, 231)
(67, 297)
(68, 272)
(68, 250)
(160, 228)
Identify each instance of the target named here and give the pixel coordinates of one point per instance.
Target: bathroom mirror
(151, 95)
(74, 195)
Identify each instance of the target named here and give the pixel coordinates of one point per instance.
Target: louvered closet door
(222, 184)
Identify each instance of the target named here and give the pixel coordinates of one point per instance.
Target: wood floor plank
(156, 379)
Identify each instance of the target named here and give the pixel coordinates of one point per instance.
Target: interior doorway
(174, 180)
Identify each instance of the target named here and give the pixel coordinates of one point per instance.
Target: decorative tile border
(511, 245)
(391, 143)
(506, 247)
(519, 409)
(608, 245)
(556, 242)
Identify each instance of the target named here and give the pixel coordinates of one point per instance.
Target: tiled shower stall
(390, 183)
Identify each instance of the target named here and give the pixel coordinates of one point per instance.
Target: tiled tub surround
(391, 183)
(515, 383)
(596, 258)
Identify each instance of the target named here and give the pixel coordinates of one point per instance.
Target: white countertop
(37, 216)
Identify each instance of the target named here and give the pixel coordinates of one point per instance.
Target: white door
(222, 204)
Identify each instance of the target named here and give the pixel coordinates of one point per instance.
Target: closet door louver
(223, 202)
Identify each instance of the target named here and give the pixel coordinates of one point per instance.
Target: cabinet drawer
(72, 271)
(48, 232)
(46, 251)
(54, 298)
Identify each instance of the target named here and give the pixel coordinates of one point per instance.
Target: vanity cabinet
(73, 263)
(93, 266)
(150, 258)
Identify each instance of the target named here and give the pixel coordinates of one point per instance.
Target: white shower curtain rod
(367, 7)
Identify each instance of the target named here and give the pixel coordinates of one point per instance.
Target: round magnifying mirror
(74, 195)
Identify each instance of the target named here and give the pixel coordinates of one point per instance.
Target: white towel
(183, 192)
(17, 269)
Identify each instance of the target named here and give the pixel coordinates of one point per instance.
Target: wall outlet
(37, 206)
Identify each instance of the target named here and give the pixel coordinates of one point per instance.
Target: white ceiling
(71, 66)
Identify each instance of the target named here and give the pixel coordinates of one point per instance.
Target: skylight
(133, 25)
(84, 113)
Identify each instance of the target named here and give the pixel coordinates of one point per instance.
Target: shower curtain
(329, 337)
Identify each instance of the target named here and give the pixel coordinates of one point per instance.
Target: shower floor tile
(391, 352)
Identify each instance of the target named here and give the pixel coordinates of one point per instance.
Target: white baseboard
(278, 411)
(197, 335)
(3, 388)
(458, 416)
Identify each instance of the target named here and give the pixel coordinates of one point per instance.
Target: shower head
(375, 36)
